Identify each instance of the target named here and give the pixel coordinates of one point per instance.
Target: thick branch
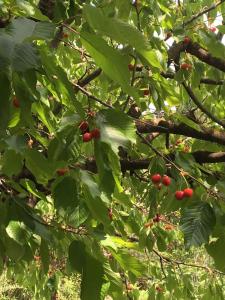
(164, 126)
(143, 164)
(196, 50)
(202, 54)
(211, 81)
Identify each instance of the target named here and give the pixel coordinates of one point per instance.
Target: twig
(135, 61)
(123, 277)
(203, 80)
(85, 92)
(169, 260)
(161, 262)
(86, 80)
(200, 106)
(204, 11)
(70, 28)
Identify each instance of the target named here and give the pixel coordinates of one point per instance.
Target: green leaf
(26, 96)
(78, 216)
(116, 29)
(123, 33)
(76, 256)
(112, 62)
(45, 116)
(197, 222)
(60, 85)
(16, 231)
(20, 56)
(16, 143)
(91, 285)
(115, 243)
(93, 200)
(216, 246)
(11, 163)
(107, 183)
(65, 196)
(13, 249)
(30, 9)
(40, 166)
(29, 185)
(117, 129)
(44, 253)
(22, 29)
(5, 100)
(153, 57)
(86, 265)
(188, 122)
(130, 263)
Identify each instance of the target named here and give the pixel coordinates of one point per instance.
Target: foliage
(148, 78)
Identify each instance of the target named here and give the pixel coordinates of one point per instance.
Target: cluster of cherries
(157, 179)
(86, 134)
(186, 193)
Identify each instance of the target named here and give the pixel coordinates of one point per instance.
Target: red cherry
(146, 92)
(166, 180)
(188, 192)
(87, 137)
(212, 29)
(186, 40)
(16, 102)
(185, 66)
(65, 35)
(83, 126)
(110, 214)
(179, 195)
(157, 218)
(95, 133)
(131, 67)
(156, 178)
(62, 171)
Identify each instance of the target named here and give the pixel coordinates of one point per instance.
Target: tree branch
(202, 54)
(169, 260)
(143, 164)
(202, 80)
(163, 126)
(204, 11)
(196, 50)
(200, 106)
(89, 95)
(86, 80)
